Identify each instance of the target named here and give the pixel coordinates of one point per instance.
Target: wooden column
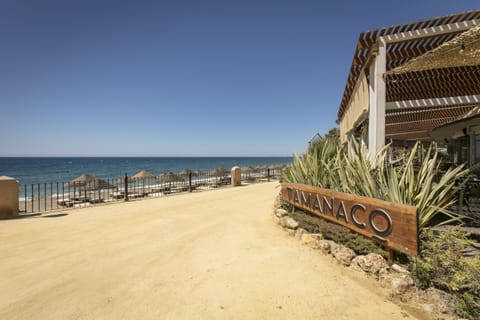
(376, 117)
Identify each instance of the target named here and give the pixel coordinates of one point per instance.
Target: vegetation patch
(426, 184)
(442, 266)
(329, 165)
(335, 232)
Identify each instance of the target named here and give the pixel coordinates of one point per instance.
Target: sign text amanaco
(393, 225)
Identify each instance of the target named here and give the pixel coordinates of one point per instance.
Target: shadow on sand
(57, 215)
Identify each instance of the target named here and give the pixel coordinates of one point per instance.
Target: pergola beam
(436, 102)
(407, 133)
(408, 41)
(420, 121)
(408, 105)
(428, 32)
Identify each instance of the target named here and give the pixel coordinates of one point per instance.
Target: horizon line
(146, 156)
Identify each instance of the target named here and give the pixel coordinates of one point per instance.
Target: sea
(30, 170)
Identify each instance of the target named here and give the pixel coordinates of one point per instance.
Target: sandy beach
(209, 255)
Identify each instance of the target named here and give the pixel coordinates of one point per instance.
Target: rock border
(394, 278)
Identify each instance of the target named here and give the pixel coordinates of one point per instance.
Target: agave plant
(362, 176)
(328, 165)
(422, 190)
(315, 166)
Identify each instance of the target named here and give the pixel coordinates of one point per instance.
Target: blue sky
(181, 78)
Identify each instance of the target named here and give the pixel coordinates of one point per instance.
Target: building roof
(417, 123)
(454, 127)
(425, 60)
(461, 51)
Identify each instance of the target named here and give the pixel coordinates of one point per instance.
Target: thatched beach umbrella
(185, 172)
(85, 183)
(277, 166)
(83, 179)
(247, 169)
(219, 172)
(169, 177)
(276, 169)
(143, 175)
(247, 172)
(261, 168)
(198, 173)
(89, 182)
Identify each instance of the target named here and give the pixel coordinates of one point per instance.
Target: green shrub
(337, 233)
(315, 166)
(329, 165)
(442, 265)
(286, 175)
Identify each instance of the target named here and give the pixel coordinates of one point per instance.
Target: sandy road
(210, 255)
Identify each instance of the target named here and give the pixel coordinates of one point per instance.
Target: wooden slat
(394, 225)
(416, 126)
(410, 136)
(417, 123)
(412, 49)
(415, 34)
(434, 102)
(416, 114)
(437, 83)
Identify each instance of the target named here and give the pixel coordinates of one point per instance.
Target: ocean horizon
(43, 169)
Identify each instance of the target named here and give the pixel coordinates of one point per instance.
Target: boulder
(401, 284)
(281, 213)
(276, 219)
(354, 266)
(299, 232)
(371, 263)
(326, 246)
(397, 268)
(343, 255)
(291, 232)
(289, 223)
(436, 301)
(311, 239)
(386, 280)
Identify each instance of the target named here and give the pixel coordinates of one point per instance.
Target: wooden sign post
(393, 225)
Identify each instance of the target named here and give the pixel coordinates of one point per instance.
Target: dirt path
(210, 255)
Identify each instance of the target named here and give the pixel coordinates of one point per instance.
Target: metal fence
(44, 197)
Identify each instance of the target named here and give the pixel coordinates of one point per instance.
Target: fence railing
(43, 197)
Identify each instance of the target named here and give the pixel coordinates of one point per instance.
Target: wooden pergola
(408, 79)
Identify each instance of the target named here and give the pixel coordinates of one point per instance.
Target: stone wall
(8, 197)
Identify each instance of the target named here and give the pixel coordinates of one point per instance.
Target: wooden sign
(393, 225)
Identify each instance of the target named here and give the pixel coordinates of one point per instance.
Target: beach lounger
(117, 195)
(98, 200)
